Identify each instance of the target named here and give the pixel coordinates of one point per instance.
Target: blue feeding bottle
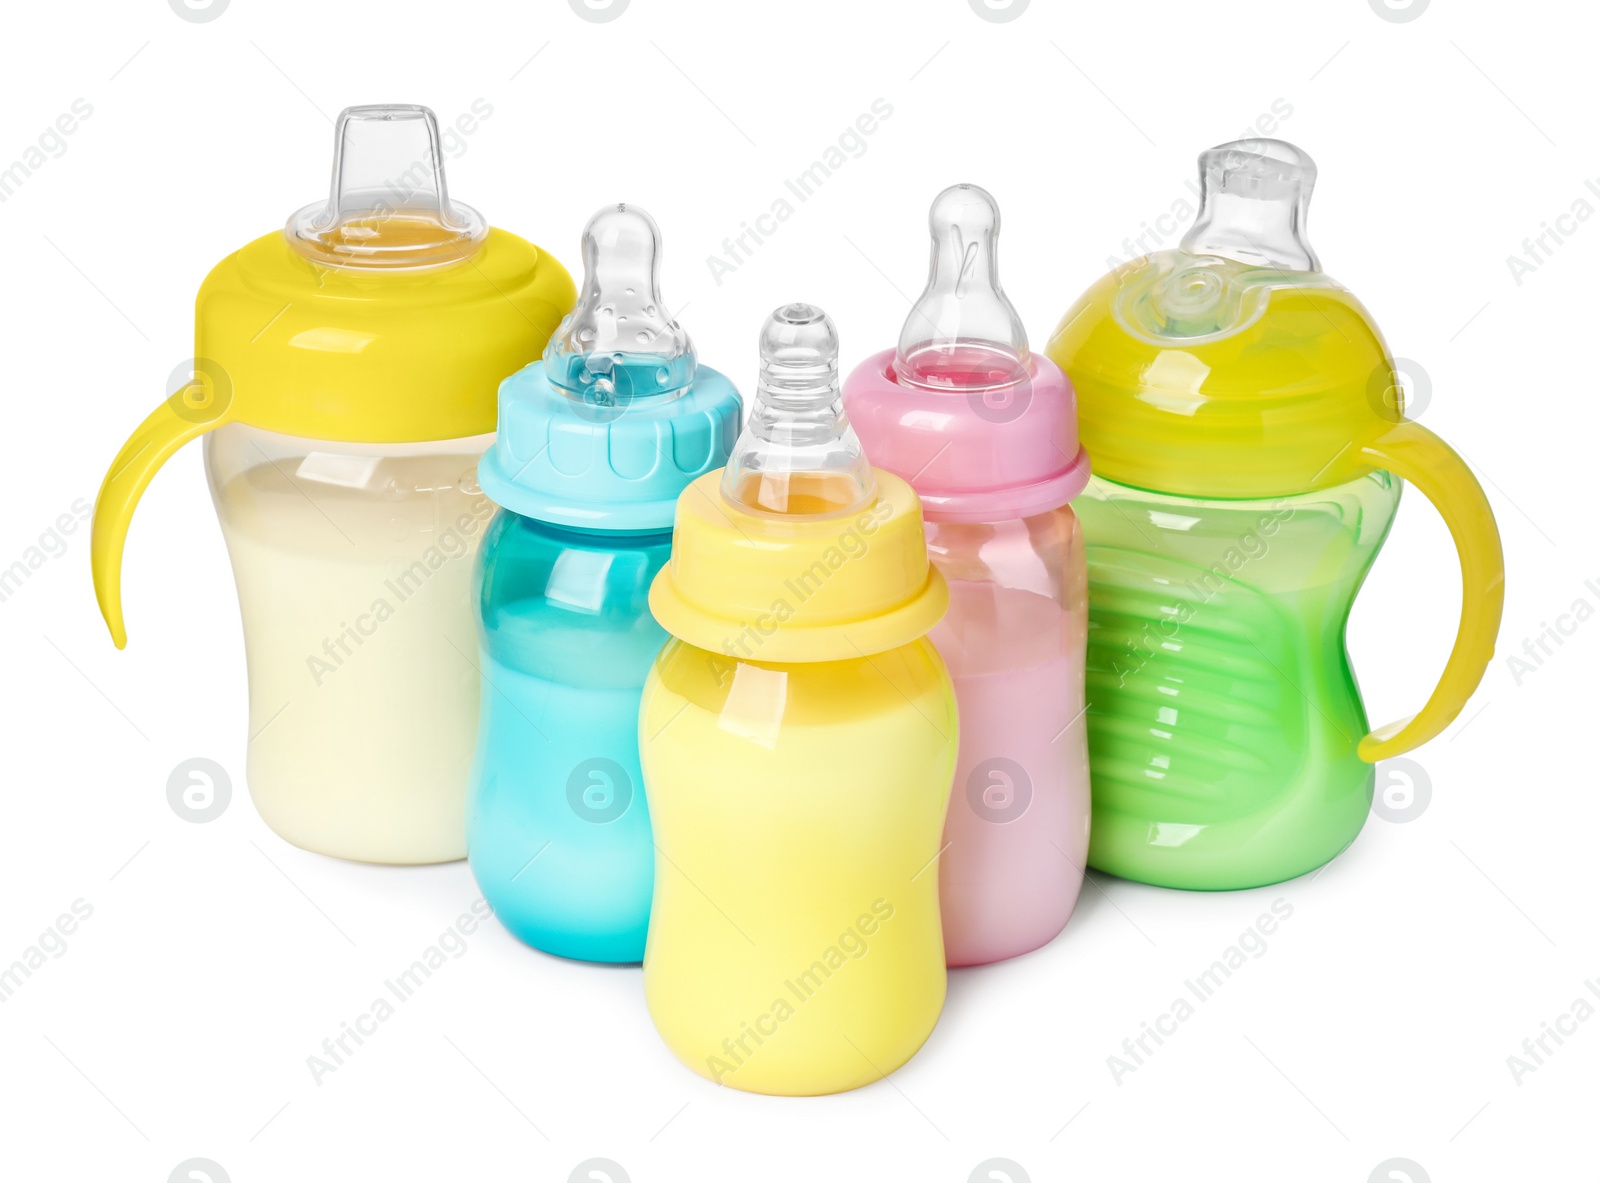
(595, 444)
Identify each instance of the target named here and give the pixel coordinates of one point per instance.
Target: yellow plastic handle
(205, 403)
(1415, 454)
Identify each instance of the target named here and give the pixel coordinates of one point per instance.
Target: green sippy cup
(1244, 416)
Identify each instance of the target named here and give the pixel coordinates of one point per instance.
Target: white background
(1377, 1025)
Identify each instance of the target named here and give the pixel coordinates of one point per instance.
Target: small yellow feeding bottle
(798, 739)
(345, 378)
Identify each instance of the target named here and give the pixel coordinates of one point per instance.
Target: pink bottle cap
(983, 429)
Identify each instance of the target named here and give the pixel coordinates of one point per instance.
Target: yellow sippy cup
(798, 739)
(345, 384)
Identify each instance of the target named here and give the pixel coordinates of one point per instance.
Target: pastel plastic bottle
(595, 444)
(987, 434)
(1249, 448)
(345, 384)
(798, 736)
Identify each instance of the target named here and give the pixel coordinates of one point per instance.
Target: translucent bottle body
(1017, 834)
(795, 945)
(558, 829)
(987, 434)
(353, 564)
(1224, 716)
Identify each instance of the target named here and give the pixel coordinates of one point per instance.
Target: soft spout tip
(388, 205)
(1255, 196)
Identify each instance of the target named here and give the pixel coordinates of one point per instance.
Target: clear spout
(798, 455)
(619, 344)
(388, 205)
(963, 332)
(1254, 196)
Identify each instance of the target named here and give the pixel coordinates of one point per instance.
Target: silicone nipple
(963, 333)
(618, 344)
(798, 454)
(388, 206)
(1253, 200)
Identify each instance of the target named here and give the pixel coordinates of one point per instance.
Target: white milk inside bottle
(354, 569)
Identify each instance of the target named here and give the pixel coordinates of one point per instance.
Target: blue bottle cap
(618, 418)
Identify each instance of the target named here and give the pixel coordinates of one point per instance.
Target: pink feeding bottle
(986, 432)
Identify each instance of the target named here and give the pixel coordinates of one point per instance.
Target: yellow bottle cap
(1275, 400)
(764, 587)
(798, 550)
(1231, 367)
(388, 314)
